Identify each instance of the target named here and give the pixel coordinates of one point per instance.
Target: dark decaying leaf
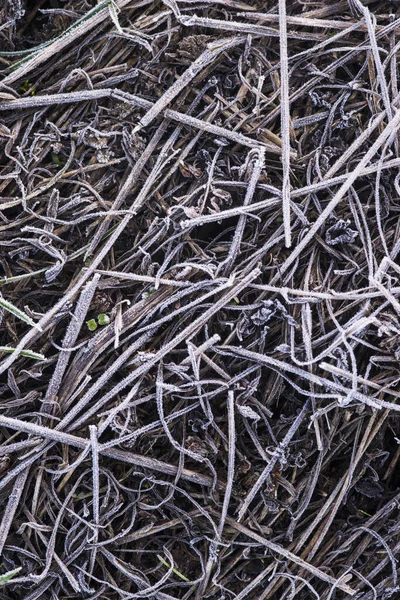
(340, 233)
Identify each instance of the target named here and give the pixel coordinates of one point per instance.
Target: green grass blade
(17, 312)
(164, 562)
(20, 277)
(27, 353)
(9, 575)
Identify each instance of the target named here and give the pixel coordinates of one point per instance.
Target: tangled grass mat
(199, 271)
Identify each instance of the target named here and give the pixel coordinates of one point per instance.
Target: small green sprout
(147, 294)
(234, 302)
(103, 319)
(56, 159)
(92, 325)
(26, 87)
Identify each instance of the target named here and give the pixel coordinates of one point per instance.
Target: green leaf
(27, 353)
(17, 312)
(92, 325)
(9, 575)
(103, 319)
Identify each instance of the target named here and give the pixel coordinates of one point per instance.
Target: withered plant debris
(199, 299)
